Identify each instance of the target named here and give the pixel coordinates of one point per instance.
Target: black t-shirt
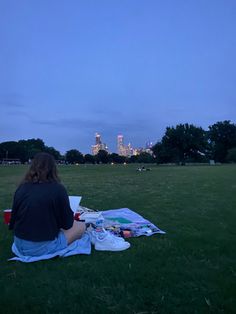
(40, 210)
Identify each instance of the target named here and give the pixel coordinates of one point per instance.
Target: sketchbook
(74, 202)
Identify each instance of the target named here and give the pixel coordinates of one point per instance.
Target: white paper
(91, 217)
(74, 202)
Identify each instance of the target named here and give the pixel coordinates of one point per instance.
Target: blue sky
(71, 68)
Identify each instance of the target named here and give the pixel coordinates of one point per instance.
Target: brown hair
(42, 169)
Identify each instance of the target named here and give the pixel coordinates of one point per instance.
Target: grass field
(191, 269)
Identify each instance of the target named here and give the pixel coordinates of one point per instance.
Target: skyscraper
(120, 144)
(149, 145)
(121, 148)
(148, 148)
(98, 145)
(97, 139)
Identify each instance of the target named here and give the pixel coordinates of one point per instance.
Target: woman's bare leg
(75, 232)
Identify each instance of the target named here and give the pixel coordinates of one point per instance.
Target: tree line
(24, 150)
(189, 143)
(180, 144)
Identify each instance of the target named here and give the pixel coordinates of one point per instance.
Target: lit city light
(122, 149)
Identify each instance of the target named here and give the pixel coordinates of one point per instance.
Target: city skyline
(121, 148)
(117, 67)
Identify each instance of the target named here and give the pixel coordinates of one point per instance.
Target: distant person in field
(42, 220)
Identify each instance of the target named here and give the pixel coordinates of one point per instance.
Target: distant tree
(165, 153)
(55, 153)
(74, 156)
(133, 158)
(10, 150)
(231, 155)
(23, 153)
(222, 136)
(118, 159)
(31, 147)
(145, 158)
(88, 158)
(36, 143)
(23, 149)
(102, 157)
(181, 143)
(26, 149)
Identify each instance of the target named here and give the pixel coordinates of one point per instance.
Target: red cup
(77, 216)
(7, 216)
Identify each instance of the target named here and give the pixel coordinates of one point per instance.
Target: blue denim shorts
(31, 248)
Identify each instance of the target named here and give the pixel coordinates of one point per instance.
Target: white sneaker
(105, 241)
(93, 234)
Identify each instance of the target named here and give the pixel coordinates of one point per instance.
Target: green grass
(191, 269)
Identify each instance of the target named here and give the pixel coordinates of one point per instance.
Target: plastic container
(7, 216)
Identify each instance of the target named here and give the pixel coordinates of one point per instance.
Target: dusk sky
(71, 68)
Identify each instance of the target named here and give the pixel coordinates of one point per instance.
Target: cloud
(106, 112)
(72, 123)
(97, 125)
(17, 113)
(11, 100)
(11, 104)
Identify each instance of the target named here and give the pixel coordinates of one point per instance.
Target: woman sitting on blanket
(42, 220)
